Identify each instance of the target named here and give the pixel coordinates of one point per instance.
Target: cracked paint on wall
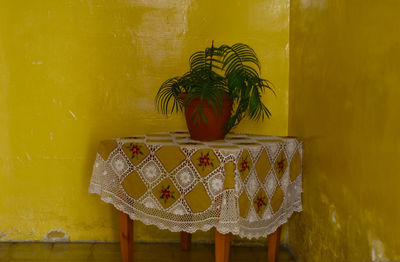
(56, 235)
(75, 72)
(344, 93)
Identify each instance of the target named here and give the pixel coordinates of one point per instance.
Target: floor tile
(30, 251)
(72, 251)
(143, 252)
(5, 251)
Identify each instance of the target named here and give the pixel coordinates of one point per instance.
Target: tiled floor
(101, 252)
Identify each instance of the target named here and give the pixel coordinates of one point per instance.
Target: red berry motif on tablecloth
(244, 165)
(260, 201)
(135, 149)
(205, 160)
(281, 165)
(166, 193)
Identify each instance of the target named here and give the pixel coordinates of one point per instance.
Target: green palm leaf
(170, 89)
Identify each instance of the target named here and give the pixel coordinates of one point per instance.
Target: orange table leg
(186, 239)
(126, 236)
(222, 246)
(273, 245)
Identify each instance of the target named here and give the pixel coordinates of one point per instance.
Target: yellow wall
(75, 72)
(344, 102)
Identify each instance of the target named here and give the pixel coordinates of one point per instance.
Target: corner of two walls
(344, 93)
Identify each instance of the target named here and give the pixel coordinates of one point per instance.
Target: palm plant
(214, 73)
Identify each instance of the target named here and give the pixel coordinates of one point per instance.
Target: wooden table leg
(222, 246)
(126, 236)
(186, 239)
(273, 245)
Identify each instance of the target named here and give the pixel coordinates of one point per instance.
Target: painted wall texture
(344, 102)
(75, 72)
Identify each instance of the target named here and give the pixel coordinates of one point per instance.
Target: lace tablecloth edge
(222, 229)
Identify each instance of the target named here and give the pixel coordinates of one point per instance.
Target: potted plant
(222, 87)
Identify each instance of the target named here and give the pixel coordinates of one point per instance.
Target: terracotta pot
(214, 128)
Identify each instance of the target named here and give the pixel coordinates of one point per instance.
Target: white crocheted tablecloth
(248, 185)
